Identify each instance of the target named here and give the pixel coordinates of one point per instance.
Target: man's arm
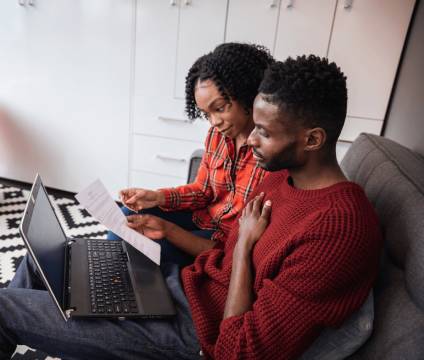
(310, 289)
(240, 294)
(252, 224)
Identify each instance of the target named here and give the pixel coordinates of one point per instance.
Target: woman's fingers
(136, 220)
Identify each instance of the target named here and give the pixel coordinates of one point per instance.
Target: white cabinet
(286, 27)
(304, 27)
(201, 28)
(364, 37)
(65, 70)
(171, 35)
(162, 156)
(366, 42)
(253, 21)
(95, 88)
(162, 136)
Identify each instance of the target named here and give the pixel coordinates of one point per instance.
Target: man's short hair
(312, 91)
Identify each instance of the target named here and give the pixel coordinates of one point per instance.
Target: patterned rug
(75, 221)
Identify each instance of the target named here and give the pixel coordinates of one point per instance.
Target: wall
(405, 117)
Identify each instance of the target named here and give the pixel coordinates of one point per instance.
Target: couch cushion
(393, 178)
(336, 344)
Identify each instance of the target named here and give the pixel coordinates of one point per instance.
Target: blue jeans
(29, 317)
(169, 252)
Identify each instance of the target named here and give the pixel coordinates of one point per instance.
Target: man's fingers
(266, 210)
(257, 203)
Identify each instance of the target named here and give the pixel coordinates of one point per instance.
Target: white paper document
(98, 202)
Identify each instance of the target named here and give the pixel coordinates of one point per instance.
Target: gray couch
(393, 178)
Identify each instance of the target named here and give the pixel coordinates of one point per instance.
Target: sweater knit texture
(314, 265)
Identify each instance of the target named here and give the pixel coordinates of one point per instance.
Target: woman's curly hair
(310, 89)
(235, 68)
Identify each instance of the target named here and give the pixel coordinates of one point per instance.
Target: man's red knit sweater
(313, 266)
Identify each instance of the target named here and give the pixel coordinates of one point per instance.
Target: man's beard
(284, 160)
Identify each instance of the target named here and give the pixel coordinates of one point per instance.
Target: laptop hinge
(68, 312)
(67, 273)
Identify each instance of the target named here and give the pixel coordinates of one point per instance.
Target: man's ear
(315, 139)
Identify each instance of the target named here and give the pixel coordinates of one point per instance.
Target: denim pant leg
(26, 276)
(169, 252)
(29, 317)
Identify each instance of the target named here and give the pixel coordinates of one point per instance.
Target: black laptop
(91, 278)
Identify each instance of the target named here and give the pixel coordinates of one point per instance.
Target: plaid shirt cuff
(172, 199)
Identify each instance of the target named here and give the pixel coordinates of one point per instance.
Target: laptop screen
(46, 238)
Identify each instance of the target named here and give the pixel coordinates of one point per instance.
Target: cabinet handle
(187, 2)
(348, 4)
(173, 2)
(170, 158)
(186, 121)
(21, 2)
(31, 2)
(274, 4)
(289, 4)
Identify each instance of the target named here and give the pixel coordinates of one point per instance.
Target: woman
(221, 87)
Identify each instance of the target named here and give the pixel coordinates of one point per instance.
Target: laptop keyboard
(111, 291)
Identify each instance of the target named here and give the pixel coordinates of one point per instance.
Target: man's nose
(252, 139)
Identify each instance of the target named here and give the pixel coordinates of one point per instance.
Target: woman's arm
(156, 228)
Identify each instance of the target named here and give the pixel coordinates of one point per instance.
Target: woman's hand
(137, 199)
(152, 226)
(253, 222)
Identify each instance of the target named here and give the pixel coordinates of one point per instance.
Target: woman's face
(229, 118)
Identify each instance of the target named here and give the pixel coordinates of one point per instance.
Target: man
(303, 257)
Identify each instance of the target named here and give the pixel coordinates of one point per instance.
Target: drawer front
(163, 156)
(160, 116)
(146, 180)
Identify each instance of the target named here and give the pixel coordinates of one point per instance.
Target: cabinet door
(201, 28)
(156, 46)
(304, 27)
(366, 43)
(155, 109)
(70, 115)
(253, 21)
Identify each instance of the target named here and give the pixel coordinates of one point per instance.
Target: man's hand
(253, 222)
(137, 199)
(152, 226)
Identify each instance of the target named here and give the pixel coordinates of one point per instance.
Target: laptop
(91, 278)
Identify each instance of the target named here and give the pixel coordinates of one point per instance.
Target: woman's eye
(220, 109)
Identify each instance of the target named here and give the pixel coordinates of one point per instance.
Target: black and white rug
(75, 221)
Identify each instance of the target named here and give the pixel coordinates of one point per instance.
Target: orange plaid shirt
(222, 185)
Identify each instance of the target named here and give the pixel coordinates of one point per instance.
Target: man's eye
(263, 133)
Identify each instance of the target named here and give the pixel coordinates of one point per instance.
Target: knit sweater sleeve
(326, 275)
(196, 195)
